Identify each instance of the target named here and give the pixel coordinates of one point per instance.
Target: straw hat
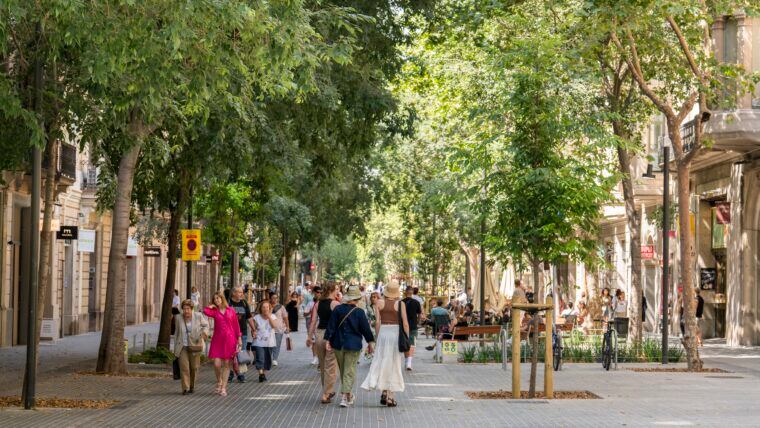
(352, 293)
(392, 290)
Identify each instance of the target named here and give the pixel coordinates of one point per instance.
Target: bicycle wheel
(607, 351)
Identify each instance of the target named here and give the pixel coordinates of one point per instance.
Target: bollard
(516, 353)
(145, 340)
(548, 352)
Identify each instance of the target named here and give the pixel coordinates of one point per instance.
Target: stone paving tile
(434, 397)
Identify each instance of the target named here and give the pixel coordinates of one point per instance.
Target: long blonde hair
(221, 296)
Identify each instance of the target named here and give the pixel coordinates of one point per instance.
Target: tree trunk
(46, 243)
(287, 252)
(472, 276)
(687, 269)
(164, 331)
(111, 353)
(234, 267)
(534, 340)
(634, 226)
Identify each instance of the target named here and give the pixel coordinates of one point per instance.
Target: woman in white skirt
(386, 370)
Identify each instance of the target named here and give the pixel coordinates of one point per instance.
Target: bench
(492, 330)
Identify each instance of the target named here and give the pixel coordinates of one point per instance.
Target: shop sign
(647, 252)
(450, 347)
(67, 232)
(152, 251)
(131, 247)
(86, 241)
(708, 278)
(723, 212)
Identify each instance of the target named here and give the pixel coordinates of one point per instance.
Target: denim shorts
(263, 357)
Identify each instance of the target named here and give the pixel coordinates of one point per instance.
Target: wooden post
(548, 353)
(515, 353)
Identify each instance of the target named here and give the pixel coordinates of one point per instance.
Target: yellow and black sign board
(191, 244)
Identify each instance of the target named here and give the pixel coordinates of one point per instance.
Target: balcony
(66, 169)
(735, 130)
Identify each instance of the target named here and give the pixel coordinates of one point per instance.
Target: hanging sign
(67, 232)
(86, 241)
(647, 252)
(723, 212)
(131, 247)
(191, 244)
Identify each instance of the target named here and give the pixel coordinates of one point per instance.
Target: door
(24, 223)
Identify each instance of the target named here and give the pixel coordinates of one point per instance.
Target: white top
(264, 332)
(188, 327)
(418, 298)
(280, 316)
(175, 301)
(196, 298)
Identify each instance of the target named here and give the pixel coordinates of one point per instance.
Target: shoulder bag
(404, 344)
(190, 347)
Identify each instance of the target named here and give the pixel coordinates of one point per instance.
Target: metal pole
(665, 250)
(189, 263)
(30, 378)
(482, 271)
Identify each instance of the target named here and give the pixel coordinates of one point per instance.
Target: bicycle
(557, 350)
(607, 345)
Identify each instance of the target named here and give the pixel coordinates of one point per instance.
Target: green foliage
(153, 356)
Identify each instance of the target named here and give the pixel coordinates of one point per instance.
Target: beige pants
(188, 367)
(328, 365)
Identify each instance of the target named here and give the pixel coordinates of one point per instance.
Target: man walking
(245, 318)
(413, 313)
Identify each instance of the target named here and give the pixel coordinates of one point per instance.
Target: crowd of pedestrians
(343, 322)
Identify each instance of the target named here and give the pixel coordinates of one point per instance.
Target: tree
(673, 44)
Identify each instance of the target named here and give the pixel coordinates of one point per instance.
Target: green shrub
(468, 353)
(153, 356)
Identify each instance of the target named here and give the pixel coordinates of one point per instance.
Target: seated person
(568, 310)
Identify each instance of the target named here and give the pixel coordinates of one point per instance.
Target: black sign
(152, 251)
(67, 232)
(708, 278)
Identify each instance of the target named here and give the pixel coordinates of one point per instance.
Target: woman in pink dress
(226, 341)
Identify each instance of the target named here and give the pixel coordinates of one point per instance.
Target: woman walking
(264, 338)
(292, 308)
(348, 324)
(385, 372)
(191, 332)
(226, 341)
(320, 317)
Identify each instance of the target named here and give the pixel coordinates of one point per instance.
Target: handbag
(404, 345)
(191, 348)
(243, 357)
(175, 369)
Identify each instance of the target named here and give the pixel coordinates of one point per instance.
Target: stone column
(736, 298)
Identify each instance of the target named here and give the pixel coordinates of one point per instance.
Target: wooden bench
(476, 330)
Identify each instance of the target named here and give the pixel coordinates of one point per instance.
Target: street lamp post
(665, 248)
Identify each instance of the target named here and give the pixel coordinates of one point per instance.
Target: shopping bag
(175, 369)
(243, 358)
(288, 342)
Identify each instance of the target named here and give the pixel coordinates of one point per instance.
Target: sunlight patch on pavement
(271, 397)
(290, 382)
(429, 384)
(441, 399)
(675, 423)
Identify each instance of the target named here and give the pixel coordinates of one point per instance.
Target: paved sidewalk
(434, 397)
(69, 354)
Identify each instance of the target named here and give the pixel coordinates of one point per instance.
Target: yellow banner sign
(450, 347)
(191, 244)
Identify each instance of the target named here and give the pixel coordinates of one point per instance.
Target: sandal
(328, 399)
(390, 402)
(384, 398)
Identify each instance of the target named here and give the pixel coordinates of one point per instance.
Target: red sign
(215, 257)
(647, 252)
(672, 234)
(723, 212)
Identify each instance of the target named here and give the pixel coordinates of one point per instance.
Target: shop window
(719, 232)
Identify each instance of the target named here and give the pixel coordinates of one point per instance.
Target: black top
(292, 308)
(700, 306)
(324, 311)
(243, 314)
(413, 310)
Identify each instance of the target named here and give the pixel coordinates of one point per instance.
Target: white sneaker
(274, 363)
(315, 361)
(409, 366)
(343, 402)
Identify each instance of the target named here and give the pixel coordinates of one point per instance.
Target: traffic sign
(191, 244)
